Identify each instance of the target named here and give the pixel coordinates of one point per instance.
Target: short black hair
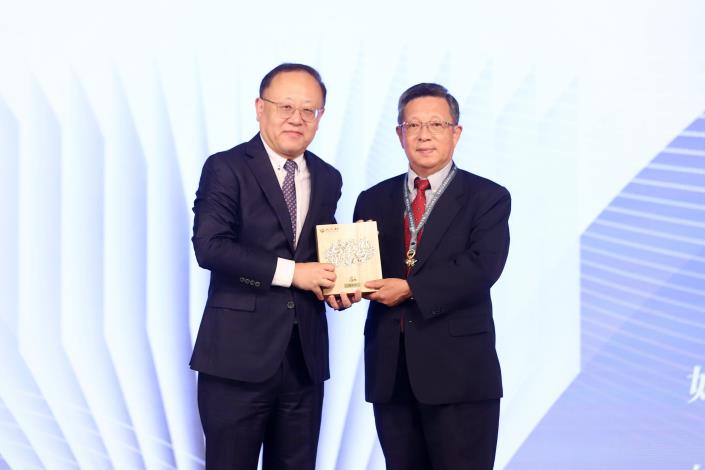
(290, 67)
(428, 89)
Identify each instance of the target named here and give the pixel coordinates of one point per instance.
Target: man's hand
(390, 292)
(343, 301)
(314, 276)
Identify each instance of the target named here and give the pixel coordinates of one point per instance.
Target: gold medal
(410, 261)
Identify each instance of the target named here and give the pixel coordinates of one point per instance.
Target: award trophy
(354, 250)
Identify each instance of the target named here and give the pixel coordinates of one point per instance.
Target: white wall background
(108, 109)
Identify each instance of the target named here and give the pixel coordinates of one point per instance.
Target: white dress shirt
(284, 273)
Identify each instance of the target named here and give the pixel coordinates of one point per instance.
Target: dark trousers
(281, 415)
(415, 436)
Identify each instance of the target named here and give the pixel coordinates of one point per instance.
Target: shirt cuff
(284, 274)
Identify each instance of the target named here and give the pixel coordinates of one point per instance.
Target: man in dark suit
(431, 369)
(262, 346)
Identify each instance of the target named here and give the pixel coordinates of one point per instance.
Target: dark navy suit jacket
(448, 327)
(241, 226)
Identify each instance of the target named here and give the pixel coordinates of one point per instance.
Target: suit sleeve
(466, 280)
(217, 225)
(339, 190)
(357, 212)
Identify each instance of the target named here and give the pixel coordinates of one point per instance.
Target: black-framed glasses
(286, 110)
(434, 127)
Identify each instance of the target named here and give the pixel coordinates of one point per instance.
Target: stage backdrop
(590, 113)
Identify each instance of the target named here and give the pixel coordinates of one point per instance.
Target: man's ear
(456, 134)
(259, 107)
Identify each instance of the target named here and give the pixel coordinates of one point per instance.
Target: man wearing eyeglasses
(431, 369)
(262, 346)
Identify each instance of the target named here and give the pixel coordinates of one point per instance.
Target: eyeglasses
(285, 110)
(434, 127)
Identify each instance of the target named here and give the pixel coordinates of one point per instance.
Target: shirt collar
(435, 179)
(278, 161)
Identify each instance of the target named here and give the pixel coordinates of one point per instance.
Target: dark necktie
(418, 206)
(289, 190)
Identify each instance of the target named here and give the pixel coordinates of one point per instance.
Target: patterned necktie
(418, 206)
(289, 190)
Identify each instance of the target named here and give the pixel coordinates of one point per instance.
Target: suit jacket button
(290, 304)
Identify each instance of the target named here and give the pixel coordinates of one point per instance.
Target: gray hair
(428, 89)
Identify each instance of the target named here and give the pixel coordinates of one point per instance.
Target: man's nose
(295, 117)
(424, 132)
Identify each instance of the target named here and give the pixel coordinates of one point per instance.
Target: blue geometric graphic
(639, 401)
(40, 296)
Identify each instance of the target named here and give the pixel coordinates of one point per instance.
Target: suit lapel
(393, 230)
(264, 174)
(440, 219)
(317, 195)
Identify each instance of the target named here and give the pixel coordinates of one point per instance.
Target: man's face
(428, 152)
(289, 136)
